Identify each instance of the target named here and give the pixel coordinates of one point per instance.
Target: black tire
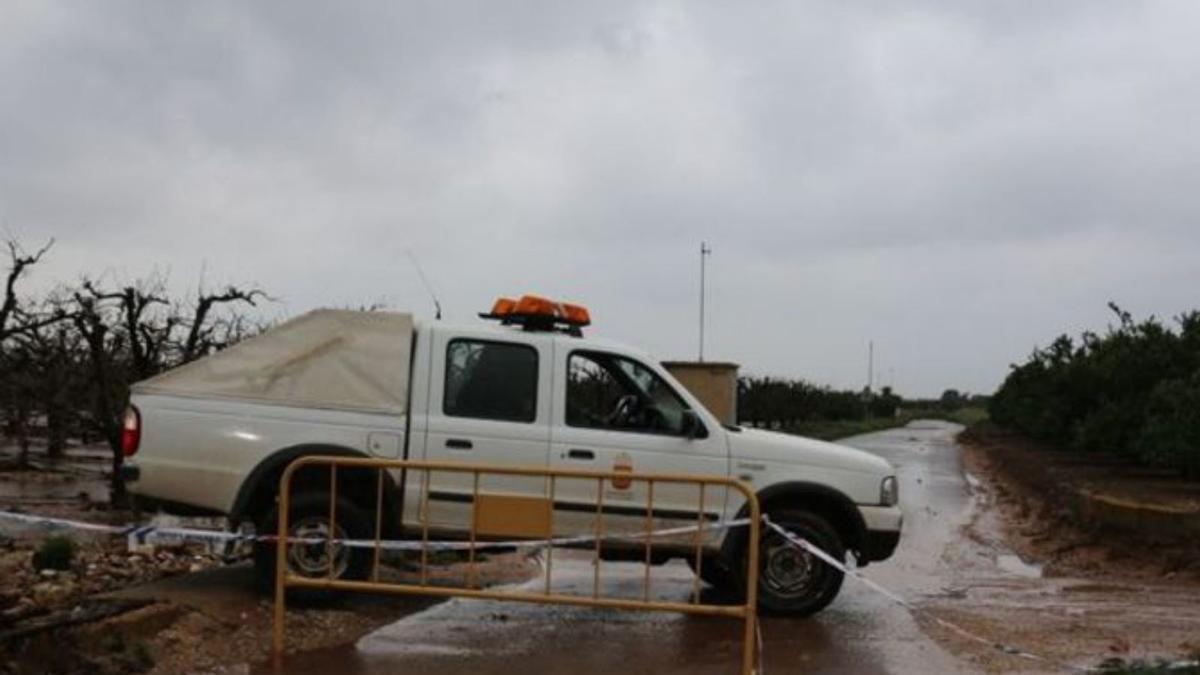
(309, 513)
(714, 573)
(792, 581)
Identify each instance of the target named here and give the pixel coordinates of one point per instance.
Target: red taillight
(131, 431)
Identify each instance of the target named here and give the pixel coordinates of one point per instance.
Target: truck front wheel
(793, 581)
(309, 520)
(714, 573)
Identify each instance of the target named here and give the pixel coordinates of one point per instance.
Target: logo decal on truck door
(622, 463)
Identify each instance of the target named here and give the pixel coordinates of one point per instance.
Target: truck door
(613, 411)
(489, 403)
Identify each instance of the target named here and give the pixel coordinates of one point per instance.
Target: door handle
(459, 443)
(576, 453)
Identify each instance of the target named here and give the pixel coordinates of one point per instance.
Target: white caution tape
(154, 533)
(63, 523)
(412, 545)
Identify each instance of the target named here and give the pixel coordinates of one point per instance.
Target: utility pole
(705, 251)
(869, 394)
(870, 366)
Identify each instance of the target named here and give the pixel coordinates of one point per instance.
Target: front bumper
(880, 545)
(883, 532)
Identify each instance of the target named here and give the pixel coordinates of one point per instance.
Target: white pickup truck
(528, 389)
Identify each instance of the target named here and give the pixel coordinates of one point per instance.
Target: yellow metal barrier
(524, 517)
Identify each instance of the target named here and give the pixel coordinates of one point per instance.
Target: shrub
(1111, 428)
(775, 402)
(1171, 435)
(1132, 392)
(55, 553)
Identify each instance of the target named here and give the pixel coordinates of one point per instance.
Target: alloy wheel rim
(787, 571)
(311, 558)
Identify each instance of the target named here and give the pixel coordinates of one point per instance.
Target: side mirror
(690, 425)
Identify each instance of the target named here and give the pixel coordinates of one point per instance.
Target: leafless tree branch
(199, 339)
(19, 262)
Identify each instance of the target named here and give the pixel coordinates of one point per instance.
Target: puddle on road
(931, 425)
(1013, 564)
(35, 486)
(79, 475)
(1090, 587)
(374, 648)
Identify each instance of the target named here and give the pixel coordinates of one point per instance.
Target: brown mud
(1083, 594)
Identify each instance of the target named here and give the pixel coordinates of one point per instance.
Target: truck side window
(491, 380)
(606, 391)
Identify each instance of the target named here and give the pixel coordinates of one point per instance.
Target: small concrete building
(713, 382)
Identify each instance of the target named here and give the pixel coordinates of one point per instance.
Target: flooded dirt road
(951, 562)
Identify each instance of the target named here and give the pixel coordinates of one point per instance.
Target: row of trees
(782, 403)
(68, 356)
(1133, 392)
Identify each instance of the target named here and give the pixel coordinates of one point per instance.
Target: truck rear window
(491, 380)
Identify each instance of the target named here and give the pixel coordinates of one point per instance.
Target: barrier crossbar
(533, 519)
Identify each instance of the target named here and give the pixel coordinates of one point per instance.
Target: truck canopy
(327, 358)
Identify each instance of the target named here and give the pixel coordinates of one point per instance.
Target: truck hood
(771, 446)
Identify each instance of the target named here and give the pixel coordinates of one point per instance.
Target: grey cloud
(955, 180)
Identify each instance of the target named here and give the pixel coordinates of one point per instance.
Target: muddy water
(78, 475)
(37, 487)
(861, 632)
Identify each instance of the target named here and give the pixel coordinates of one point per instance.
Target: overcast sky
(957, 181)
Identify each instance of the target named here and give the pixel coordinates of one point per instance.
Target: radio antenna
(705, 252)
(437, 306)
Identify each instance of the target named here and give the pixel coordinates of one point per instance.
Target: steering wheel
(624, 411)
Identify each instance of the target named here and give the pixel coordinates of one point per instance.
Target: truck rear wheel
(793, 581)
(309, 519)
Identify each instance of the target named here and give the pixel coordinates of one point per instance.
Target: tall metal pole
(705, 251)
(870, 366)
(869, 394)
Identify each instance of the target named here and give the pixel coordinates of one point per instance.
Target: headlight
(889, 491)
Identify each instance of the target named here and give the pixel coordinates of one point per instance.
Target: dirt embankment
(1045, 496)
(1032, 572)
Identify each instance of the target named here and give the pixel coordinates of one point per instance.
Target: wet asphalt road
(861, 632)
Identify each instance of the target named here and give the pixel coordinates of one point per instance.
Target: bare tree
(14, 403)
(108, 386)
(17, 406)
(19, 263)
(203, 335)
(144, 336)
(69, 357)
(49, 375)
